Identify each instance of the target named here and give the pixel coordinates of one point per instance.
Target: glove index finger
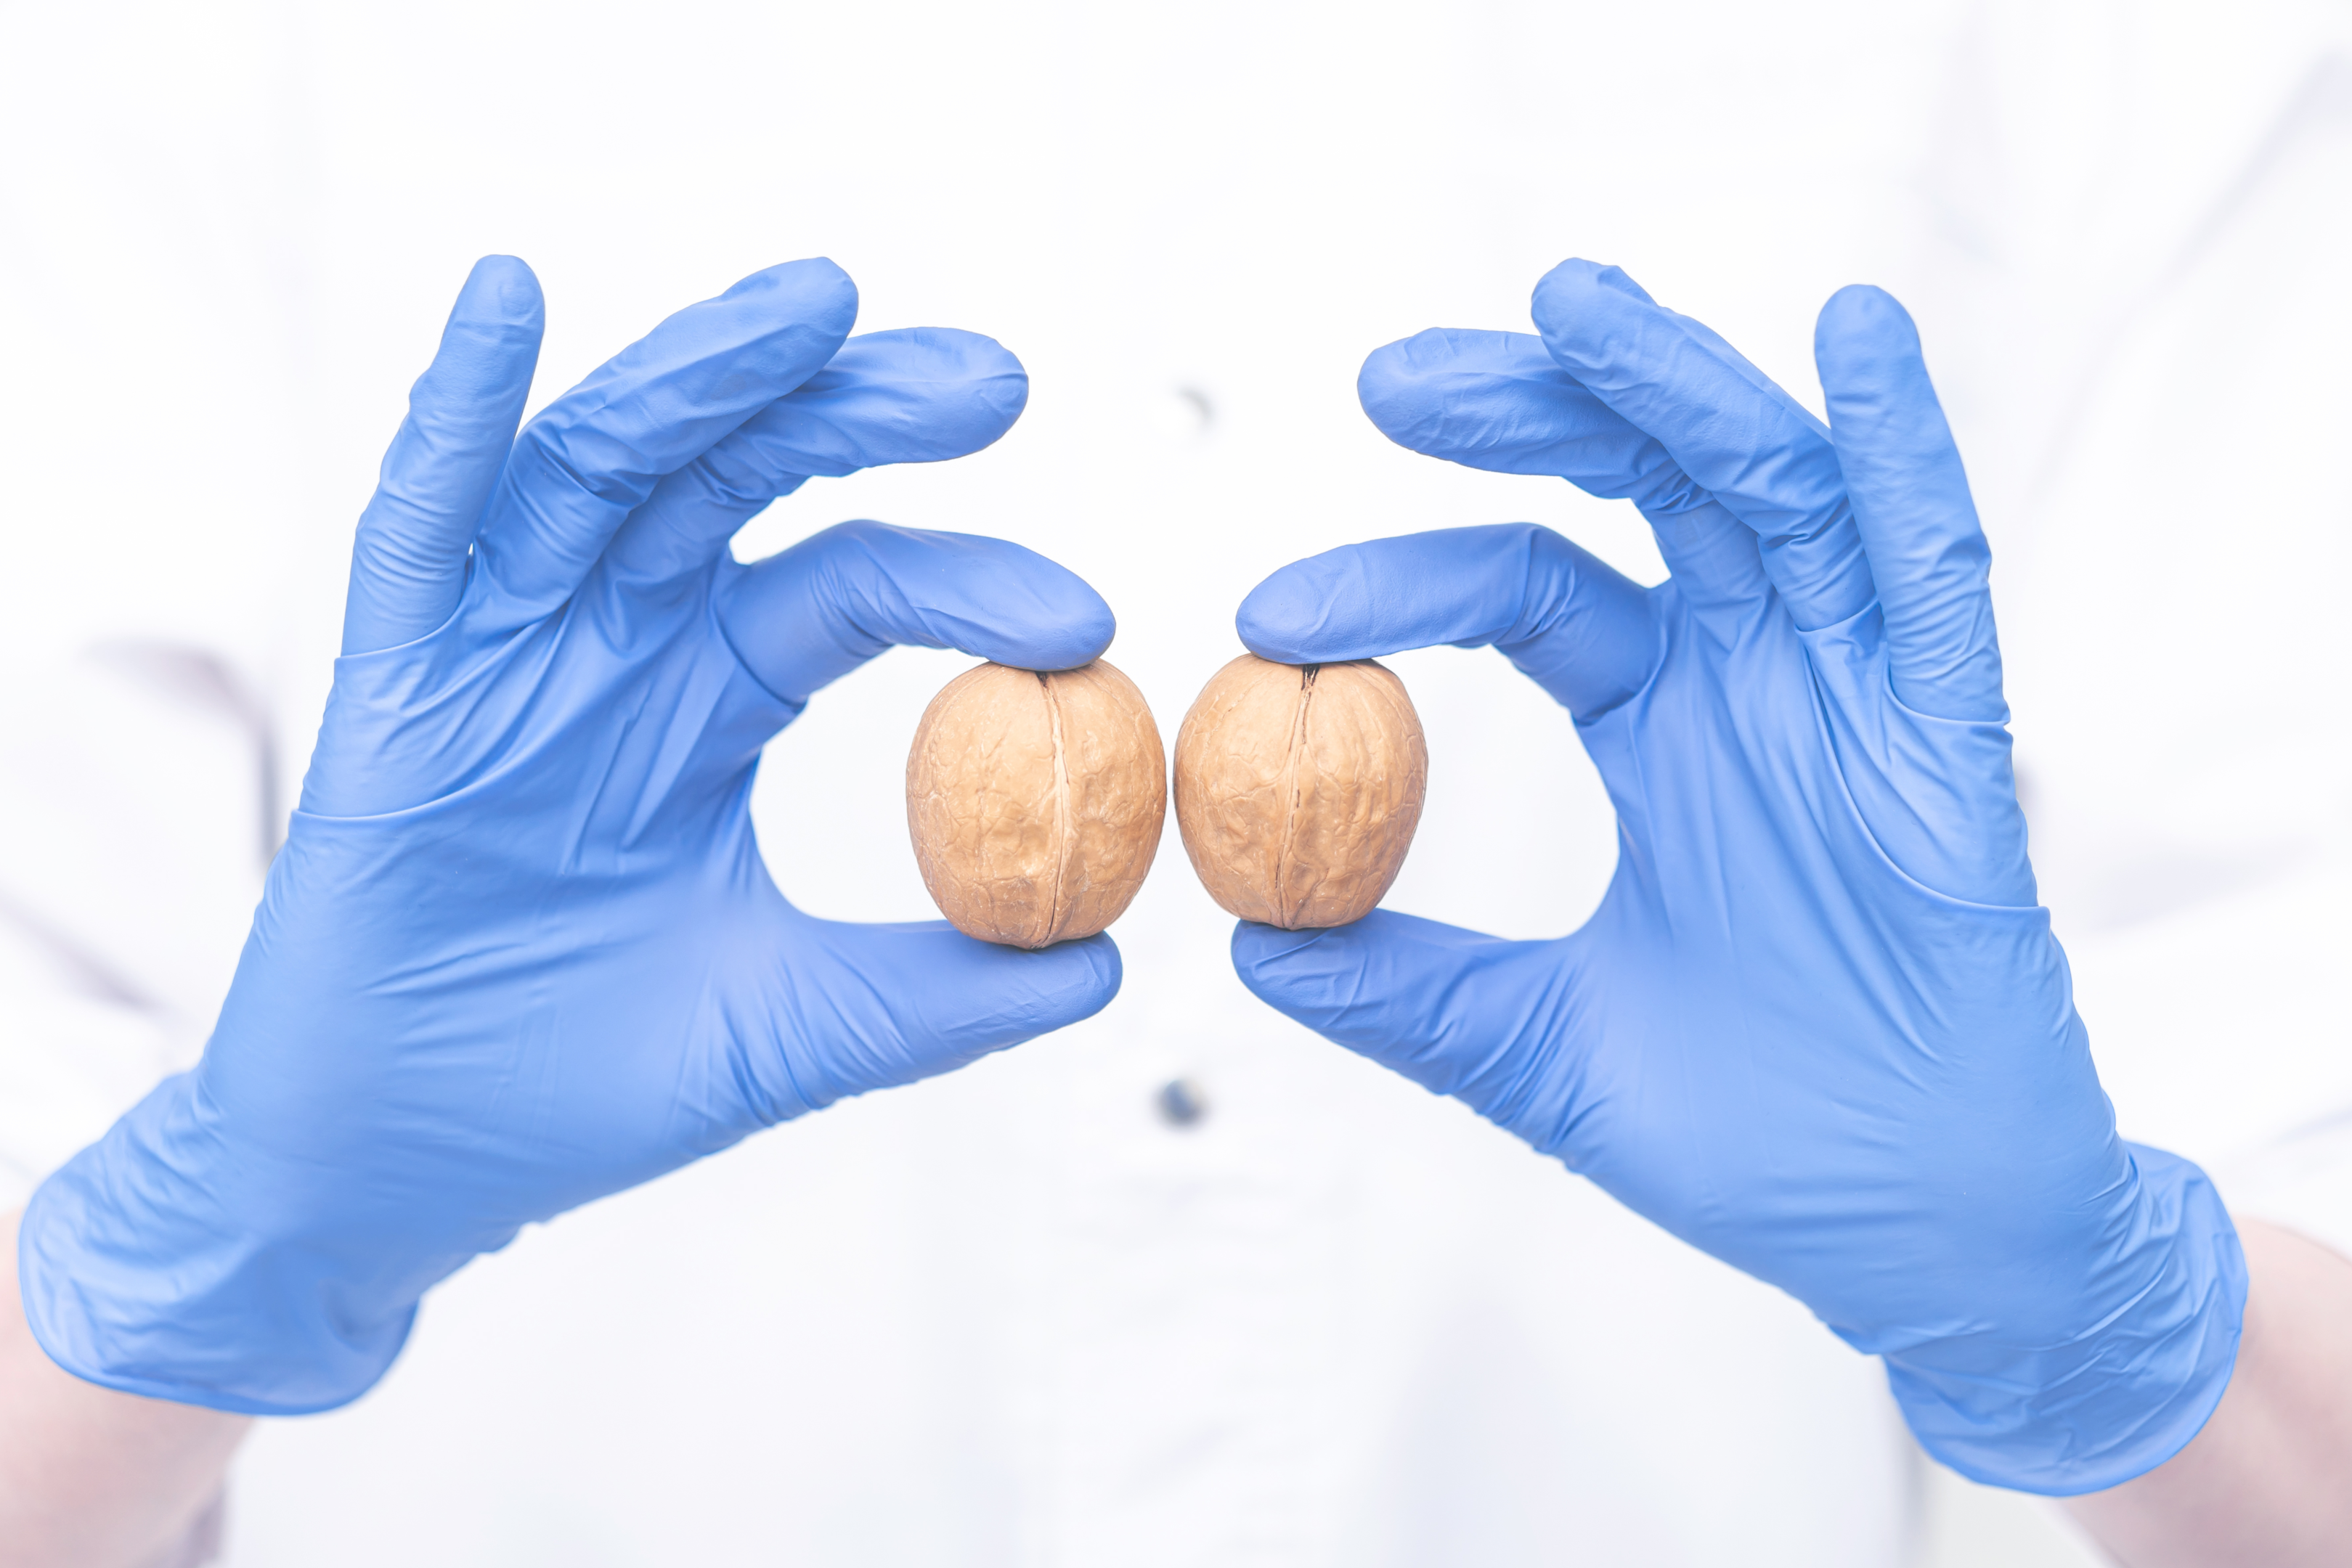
(809, 615)
(1567, 619)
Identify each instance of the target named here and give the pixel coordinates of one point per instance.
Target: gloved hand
(1818, 1025)
(519, 950)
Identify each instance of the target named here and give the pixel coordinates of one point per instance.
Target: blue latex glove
(519, 950)
(1818, 1027)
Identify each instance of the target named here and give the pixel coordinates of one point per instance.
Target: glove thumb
(1458, 1012)
(873, 1007)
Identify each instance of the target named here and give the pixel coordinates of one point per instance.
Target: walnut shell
(1035, 800)
(1298, 787)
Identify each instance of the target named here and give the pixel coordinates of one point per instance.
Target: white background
(1011, 1317)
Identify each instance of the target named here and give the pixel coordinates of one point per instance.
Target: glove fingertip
(501, 290)
(1864, 307)
(1284, 617)
(976, 356)
(1264, 955)
(1071, 625)
(1389, 387)
(488, 348)
(1366, 600)
(1106, 972)
(815, 289)
(1065, 623)
(1572, 288)
(1867, 346)
(1062, 984)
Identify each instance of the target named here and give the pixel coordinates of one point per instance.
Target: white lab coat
(1016, 1316)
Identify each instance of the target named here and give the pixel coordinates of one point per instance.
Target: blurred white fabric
(1014, 1317)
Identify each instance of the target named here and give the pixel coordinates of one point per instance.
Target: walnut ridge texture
(1298, 787)
(1035, 799)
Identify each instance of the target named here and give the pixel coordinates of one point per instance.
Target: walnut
(1298, 787)
(1035, 800)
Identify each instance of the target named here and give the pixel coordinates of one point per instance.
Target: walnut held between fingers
(1298, 787)
(1035, 800)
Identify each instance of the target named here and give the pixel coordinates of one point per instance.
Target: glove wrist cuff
(137, 1274)
(2094, 1411)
